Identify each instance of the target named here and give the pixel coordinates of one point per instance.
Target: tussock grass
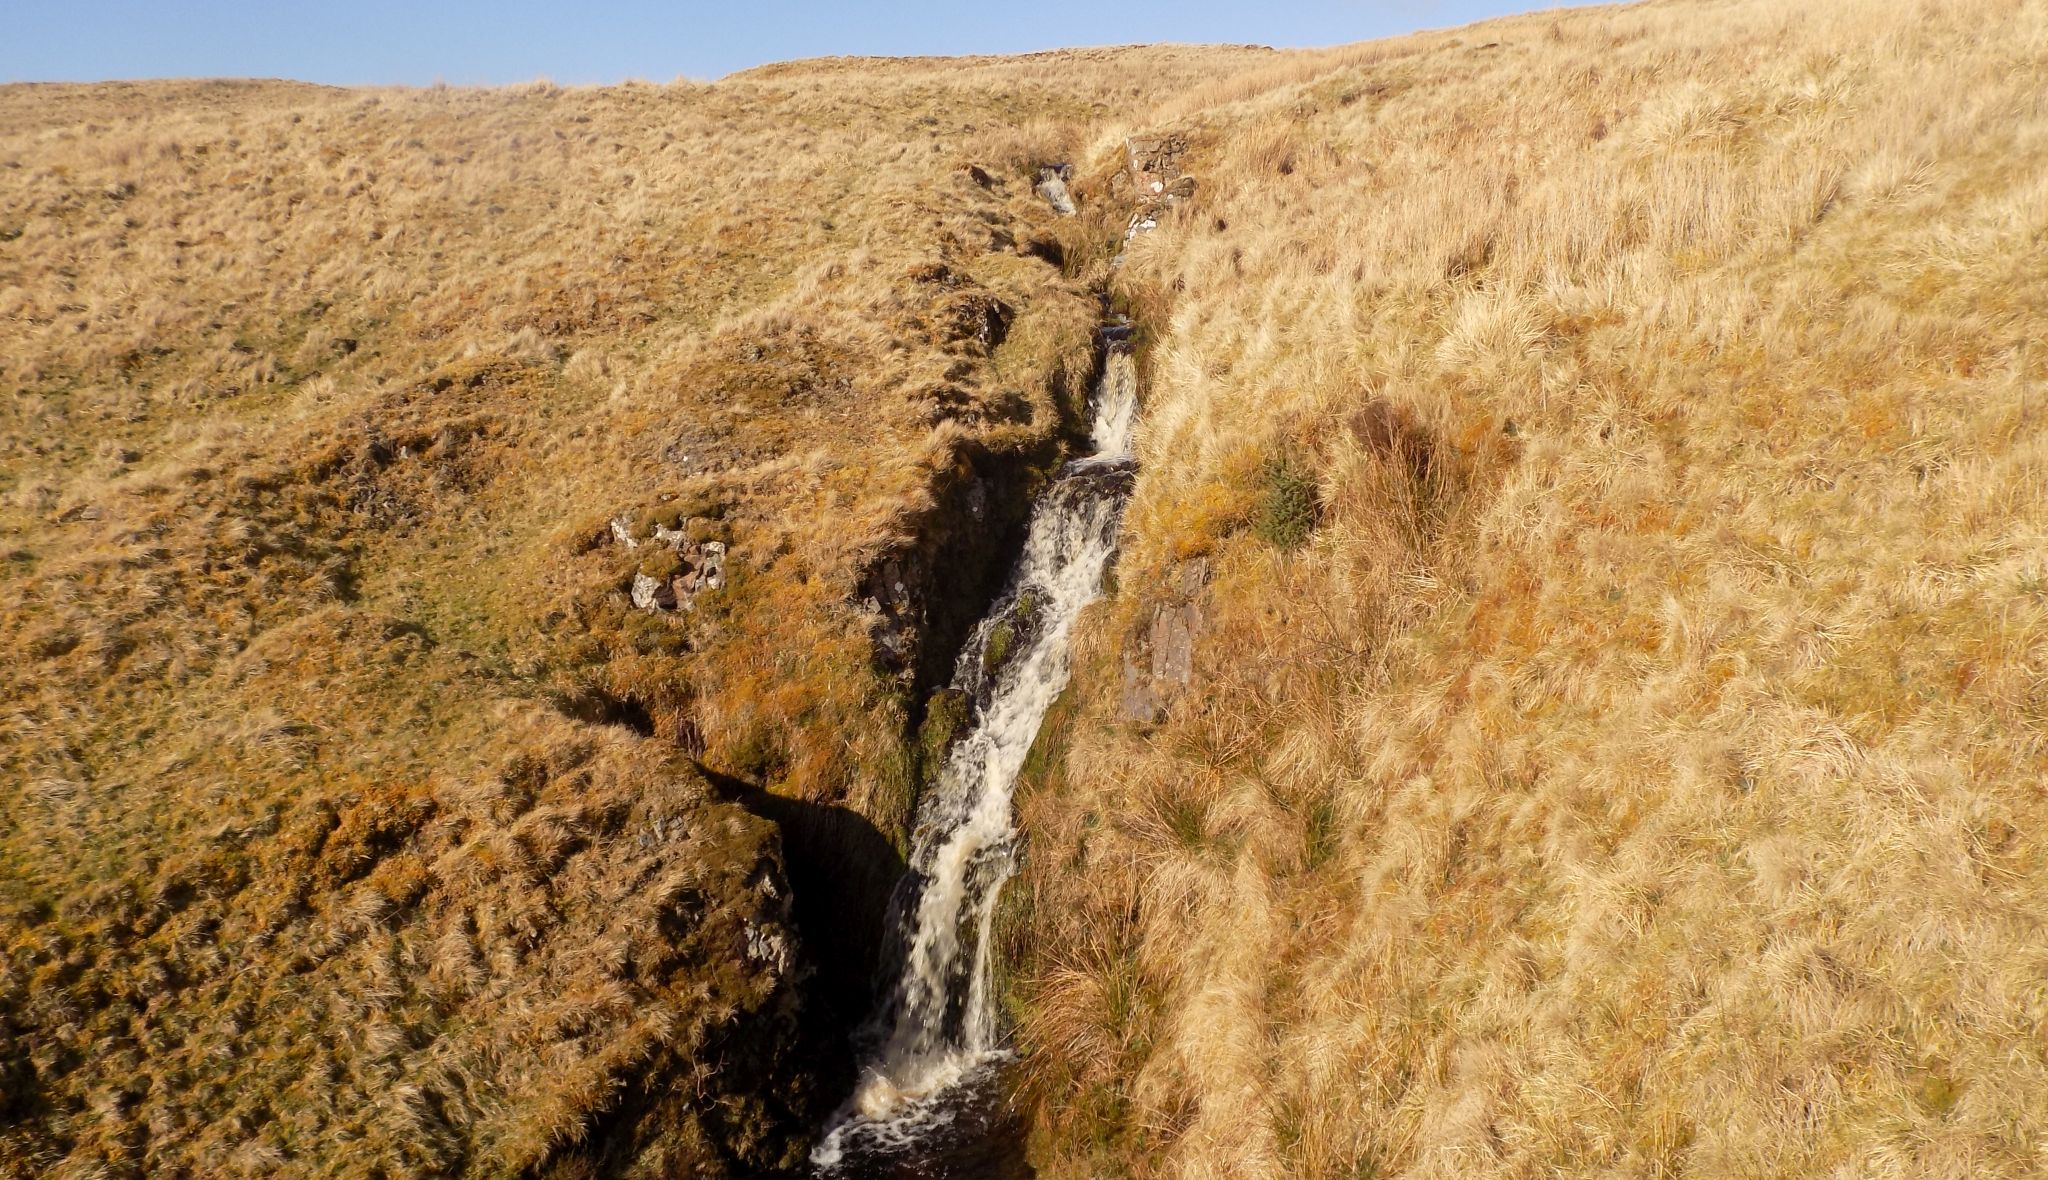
(1635, 770)
(352, 822)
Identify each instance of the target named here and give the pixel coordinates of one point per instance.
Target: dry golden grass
(1637, 771)
(1628, 761)
(352, 823)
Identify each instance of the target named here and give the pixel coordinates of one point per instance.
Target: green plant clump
(945, 716)
(1000, 641)
(1288, 509)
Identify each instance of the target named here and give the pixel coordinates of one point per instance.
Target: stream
(931, 1101)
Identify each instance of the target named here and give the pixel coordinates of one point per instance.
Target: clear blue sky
(479, 41)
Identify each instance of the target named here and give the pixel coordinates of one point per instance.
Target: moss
(945, 719)
(1001, 640)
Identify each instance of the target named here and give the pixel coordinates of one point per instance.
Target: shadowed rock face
(923, 596)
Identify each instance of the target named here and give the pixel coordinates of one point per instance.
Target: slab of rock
(1160, 663)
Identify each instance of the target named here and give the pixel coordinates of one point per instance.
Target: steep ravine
(931, 1097)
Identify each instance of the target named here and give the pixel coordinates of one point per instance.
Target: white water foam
(938, 1029)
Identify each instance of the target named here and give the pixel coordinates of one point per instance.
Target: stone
(1173, 642)
(1140, 701)
(1155, 158)
(644, 589)
(711, 570)
(1052, 185)
(622, 531)
(1161, 660)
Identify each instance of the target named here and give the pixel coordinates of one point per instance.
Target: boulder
(1052, 185)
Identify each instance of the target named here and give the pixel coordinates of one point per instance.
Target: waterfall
(936, 1033)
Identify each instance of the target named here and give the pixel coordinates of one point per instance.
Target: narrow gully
(930, 1099)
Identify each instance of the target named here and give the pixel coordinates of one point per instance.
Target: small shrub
(1288, 510)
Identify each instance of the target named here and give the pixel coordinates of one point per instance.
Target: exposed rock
(1052, 185)
(898, 612)
(1139, 700)
(699, 566)
(924, 595)
(1161, 661)
(1173, 642)
(1154, 159)
(770, 946)
(1152, 178)
(706, 562)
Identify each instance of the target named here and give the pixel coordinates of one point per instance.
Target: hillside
(1575, 702)
(360, 819)
(479, 572)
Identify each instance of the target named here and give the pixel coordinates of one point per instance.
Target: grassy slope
(316, 854)
(1638, 768)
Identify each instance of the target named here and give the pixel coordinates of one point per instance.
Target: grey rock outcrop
(699, 566)
(1161, 662)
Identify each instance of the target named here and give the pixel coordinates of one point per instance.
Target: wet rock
(925, 594)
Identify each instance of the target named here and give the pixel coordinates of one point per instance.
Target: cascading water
(936, 1044)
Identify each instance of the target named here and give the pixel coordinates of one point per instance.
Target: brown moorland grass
(1634, 766)
(353, 820)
